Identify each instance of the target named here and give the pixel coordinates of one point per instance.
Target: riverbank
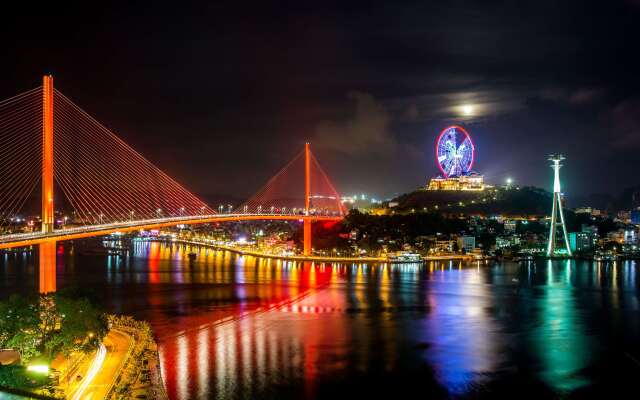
(139, 376)
(375, 260)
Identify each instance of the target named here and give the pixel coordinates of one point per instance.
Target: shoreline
(140, 370)
(375, 260)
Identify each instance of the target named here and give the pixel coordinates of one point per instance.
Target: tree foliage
(46, 325)
(399, 228)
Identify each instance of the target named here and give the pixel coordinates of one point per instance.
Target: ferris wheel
(454, 151)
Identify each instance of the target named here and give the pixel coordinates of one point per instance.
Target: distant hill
(522, 201)
(628, 199)
(601, 201)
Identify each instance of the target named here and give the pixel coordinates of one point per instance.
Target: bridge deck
(28, 239)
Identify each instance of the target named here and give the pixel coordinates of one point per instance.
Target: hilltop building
(473, 181)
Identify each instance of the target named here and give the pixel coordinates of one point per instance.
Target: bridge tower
(47, 154)
(307, 196)
(556, 208)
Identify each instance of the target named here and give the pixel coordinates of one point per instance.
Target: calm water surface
(232, 326)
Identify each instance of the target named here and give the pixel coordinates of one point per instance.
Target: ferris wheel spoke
(446, 166)
(454, 151)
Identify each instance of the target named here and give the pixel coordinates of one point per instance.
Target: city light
(38, 368)
(94, 369)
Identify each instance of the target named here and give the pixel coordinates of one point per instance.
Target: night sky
(221, 96)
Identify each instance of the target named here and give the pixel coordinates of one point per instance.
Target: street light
(158, 211)
(101, 215)
(509, 182)
(131, 213)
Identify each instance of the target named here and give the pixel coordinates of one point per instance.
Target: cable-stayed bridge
(50, 145)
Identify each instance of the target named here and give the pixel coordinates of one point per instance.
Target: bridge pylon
(307, 196)
(47, 154)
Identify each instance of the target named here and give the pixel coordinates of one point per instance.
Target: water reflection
(232, 326)
(559, 336)
(460, 329)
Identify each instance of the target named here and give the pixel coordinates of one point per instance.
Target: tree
(50, 324)
(18, 325)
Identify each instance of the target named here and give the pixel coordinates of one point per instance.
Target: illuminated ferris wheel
(454, 151)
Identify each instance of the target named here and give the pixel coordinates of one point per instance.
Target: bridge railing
(61, 232)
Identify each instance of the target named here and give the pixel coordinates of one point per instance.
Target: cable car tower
(557, 208)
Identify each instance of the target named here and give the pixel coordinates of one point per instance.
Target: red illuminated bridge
(112, 188)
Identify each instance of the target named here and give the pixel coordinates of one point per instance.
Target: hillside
(521, 201)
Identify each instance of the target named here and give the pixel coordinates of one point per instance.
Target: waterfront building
(442, 246)
(467, 243)
(581, 241)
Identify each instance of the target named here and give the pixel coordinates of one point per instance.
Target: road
(32, 238)
(104, 367)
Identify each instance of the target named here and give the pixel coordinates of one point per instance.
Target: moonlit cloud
(365, 128)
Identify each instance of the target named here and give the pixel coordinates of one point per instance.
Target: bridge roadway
(28, 239)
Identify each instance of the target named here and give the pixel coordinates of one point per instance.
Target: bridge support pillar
(47, 154)
(307, 198)
(307, 237)
(47, 262)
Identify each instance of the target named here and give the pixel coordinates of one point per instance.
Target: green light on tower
(557, 208)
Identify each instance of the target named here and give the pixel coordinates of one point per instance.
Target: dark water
(240, 327)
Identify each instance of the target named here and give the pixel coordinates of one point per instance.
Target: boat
(405, 257)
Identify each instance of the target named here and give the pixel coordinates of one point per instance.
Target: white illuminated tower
(557, 208)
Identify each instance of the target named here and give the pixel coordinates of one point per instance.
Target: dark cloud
(625, 123)
(365, 129)
(221, 95)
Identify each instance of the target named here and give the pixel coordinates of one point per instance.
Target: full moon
(467, 109)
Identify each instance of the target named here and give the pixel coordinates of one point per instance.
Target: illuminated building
(360, 202)
(472, 181)
(468, 243)
(624, 216)
(581, 241)
(510, 226)
(594, 212)
(455, 154)
(635, 216)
